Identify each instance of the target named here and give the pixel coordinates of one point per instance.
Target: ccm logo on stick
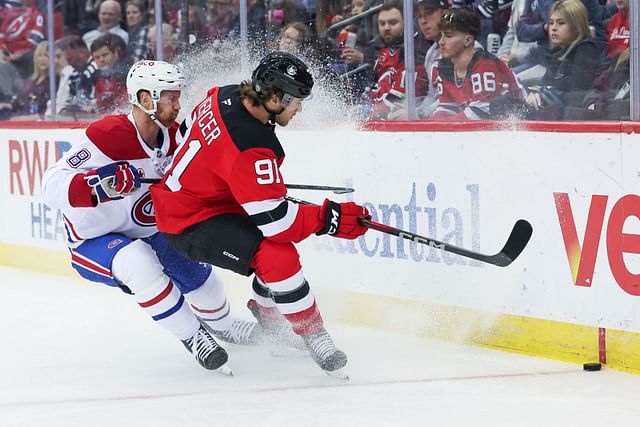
(582, 260)
(419, 239)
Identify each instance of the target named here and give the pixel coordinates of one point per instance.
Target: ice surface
(78, 354)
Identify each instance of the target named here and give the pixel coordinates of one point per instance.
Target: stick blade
(517, 241)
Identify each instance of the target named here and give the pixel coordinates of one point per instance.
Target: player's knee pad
(274, 262)
(137, 266)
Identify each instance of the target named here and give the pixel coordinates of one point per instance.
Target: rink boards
(573, 294)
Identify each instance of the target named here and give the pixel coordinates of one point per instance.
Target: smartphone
(351, 40)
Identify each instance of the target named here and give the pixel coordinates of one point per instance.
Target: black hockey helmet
(284, 71)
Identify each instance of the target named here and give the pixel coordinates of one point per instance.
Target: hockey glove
(114, 181)
(342, 219)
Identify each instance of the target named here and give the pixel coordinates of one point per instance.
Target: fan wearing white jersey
(110, 223)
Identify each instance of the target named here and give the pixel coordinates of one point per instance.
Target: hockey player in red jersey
(468, 79)
(222, 201)
(109, 218)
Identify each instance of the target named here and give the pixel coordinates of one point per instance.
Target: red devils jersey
(390, 88)
(619, 33)
(24, 31)
(229, 162)
(487, 78)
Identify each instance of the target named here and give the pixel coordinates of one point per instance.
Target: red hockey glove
(341, 219)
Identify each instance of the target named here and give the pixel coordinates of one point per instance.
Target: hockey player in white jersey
(110, 223)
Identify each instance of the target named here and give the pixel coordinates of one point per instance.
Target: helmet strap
(152, 113)
(273, 112)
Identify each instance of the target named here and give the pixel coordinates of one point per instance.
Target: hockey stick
(336, 190)
(516, 242)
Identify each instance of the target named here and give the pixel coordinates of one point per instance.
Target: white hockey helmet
(153, 76)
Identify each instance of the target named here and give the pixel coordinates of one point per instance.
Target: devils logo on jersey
(142, 212)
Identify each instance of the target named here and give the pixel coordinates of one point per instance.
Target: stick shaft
(337, 190)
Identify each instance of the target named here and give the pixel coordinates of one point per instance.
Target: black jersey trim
(273, 215)
(246, 131)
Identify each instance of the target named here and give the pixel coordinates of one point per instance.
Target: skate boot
(276, 332)
(207, 351)
(325, 353)
(241, 333)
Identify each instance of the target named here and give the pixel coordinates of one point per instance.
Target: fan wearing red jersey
(109, 218)
(222, 201)
(468, 79)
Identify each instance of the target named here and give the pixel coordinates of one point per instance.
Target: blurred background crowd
(472, 59)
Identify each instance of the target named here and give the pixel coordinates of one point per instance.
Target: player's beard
(167, 118)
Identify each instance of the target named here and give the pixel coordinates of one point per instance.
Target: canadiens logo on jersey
(142, 211)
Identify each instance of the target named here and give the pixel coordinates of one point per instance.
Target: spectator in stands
(353, 55)
(9, 9)
(353, 75)
(609, 100)
(77, 98)
(533, 25)
(257, 21)
(572, 65)
(328, 12)
(11, 83)
(221, 20)
(75, 18)
(488, 10)
(430, 14)
(295, 38)
(109, 15)
(35, 95)
(469, 80)
(388, 94)
(63, 72)
(169, 43)
(19, 36)
(618, 30)
(136, 15)
(195, 25)
(512, 51)
(281, 13)
(109, 54)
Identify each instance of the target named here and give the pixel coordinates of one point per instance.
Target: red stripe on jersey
(158, 298)
(72, 229)
(89, 265)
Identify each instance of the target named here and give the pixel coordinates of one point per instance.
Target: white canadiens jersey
(111, 139)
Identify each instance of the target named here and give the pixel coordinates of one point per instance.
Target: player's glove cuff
(330, 214)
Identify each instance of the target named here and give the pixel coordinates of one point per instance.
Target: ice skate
(325, 353)
(241, 333)
(279, 333)
(207, 351)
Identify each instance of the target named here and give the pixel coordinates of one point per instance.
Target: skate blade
(339, 374)
(225, 370)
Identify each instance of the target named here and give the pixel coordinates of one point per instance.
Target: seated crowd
(474, 59)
